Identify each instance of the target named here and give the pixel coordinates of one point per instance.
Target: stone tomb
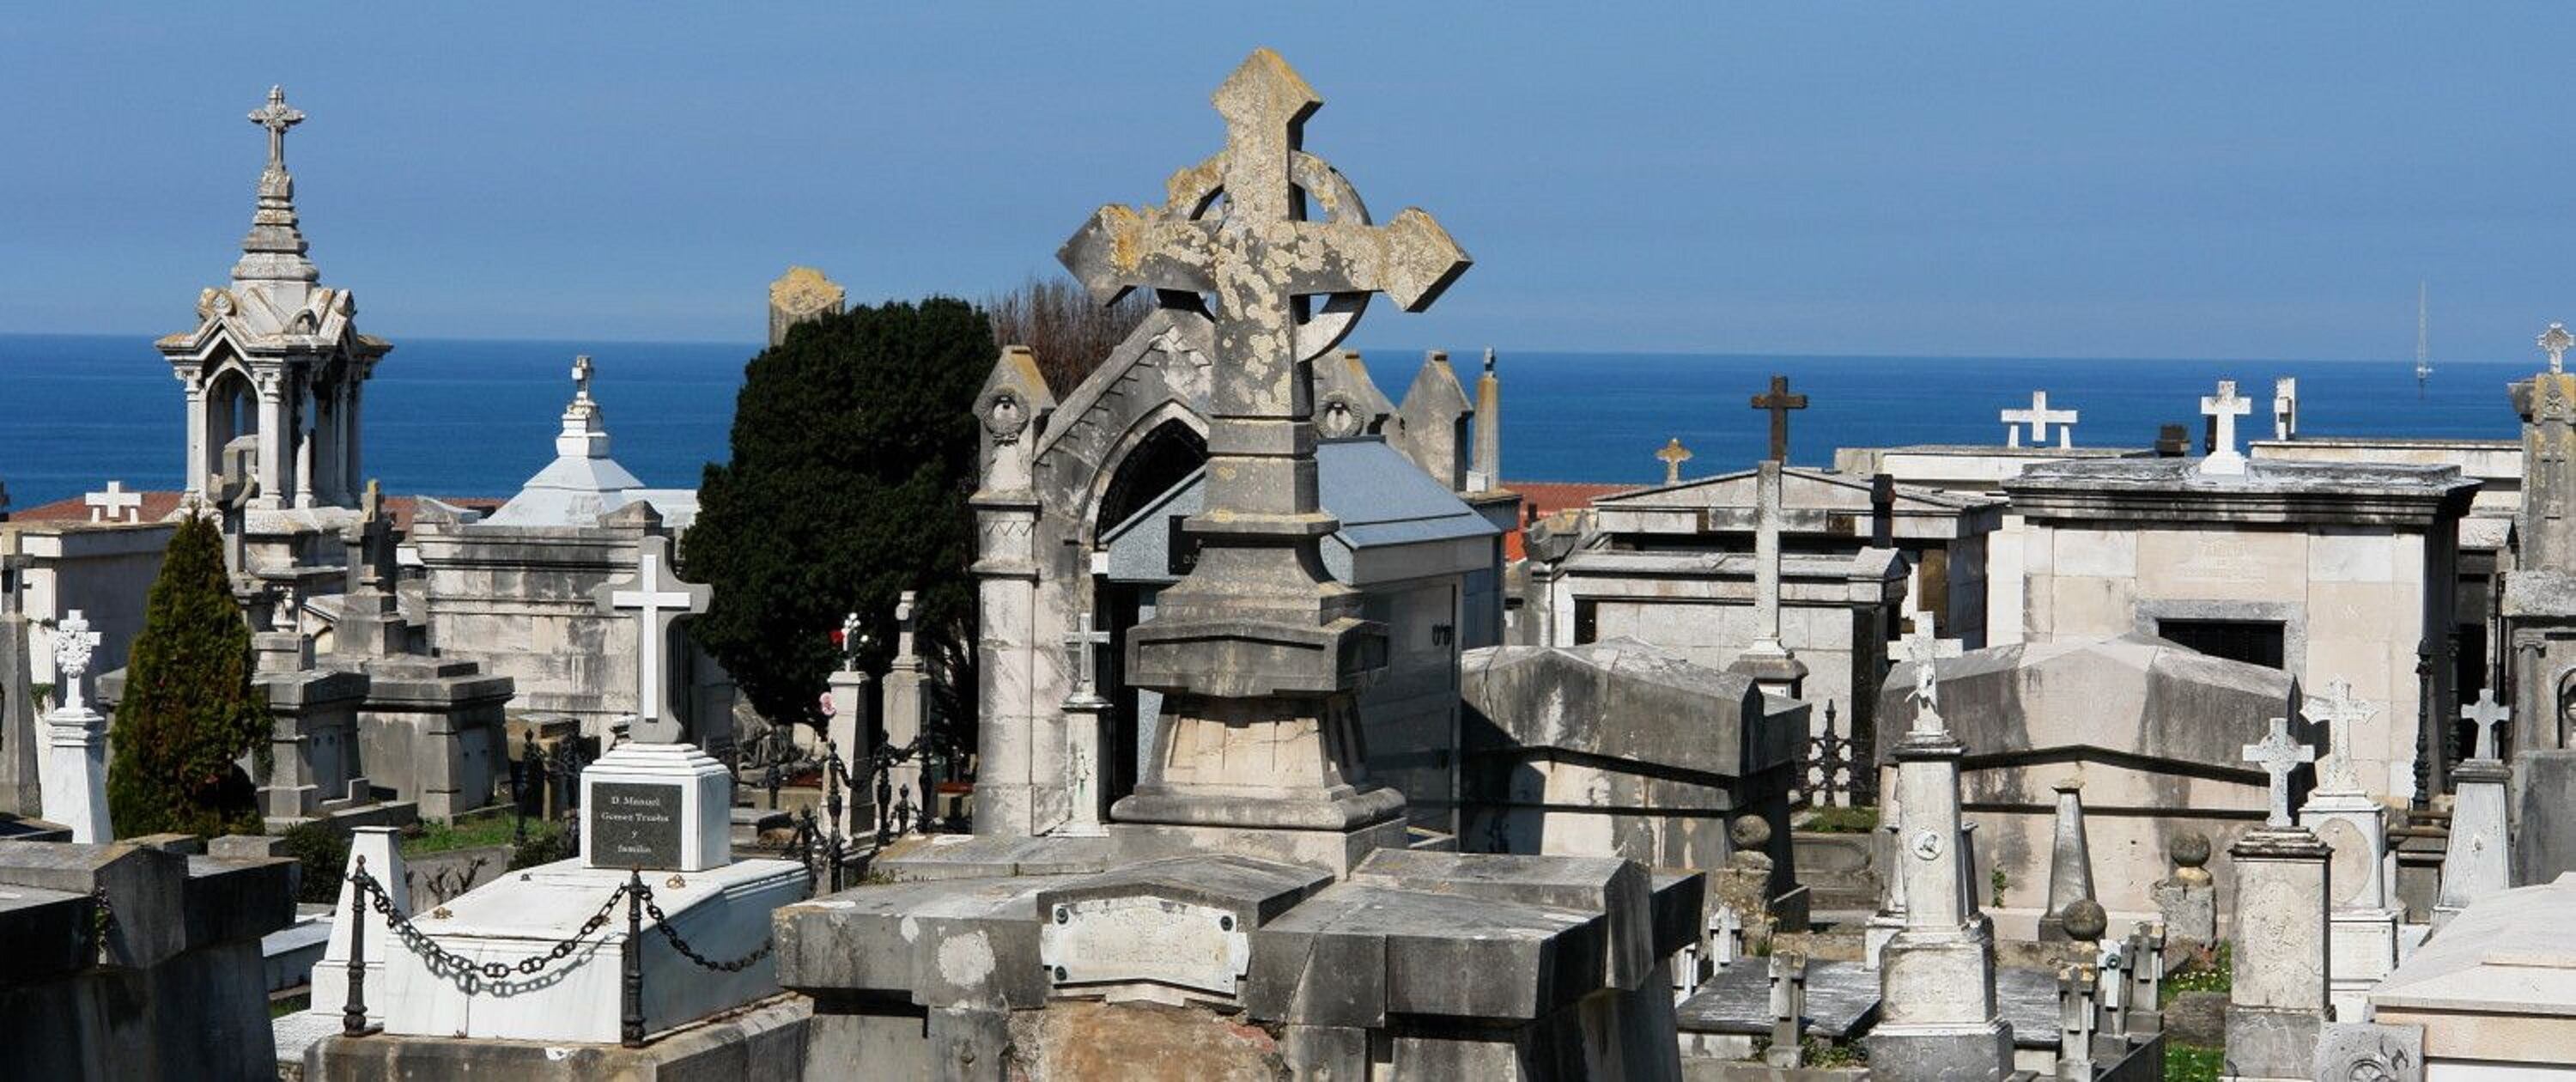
(658, 808)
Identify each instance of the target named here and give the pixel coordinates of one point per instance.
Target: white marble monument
(659, 600)
(75, 770)
(2278, 1002)
(2224, 408)
(2354, 824)
(2478, 862)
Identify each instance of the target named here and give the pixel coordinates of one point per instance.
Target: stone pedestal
(1083, 717)
(2362, 934)
(75, 773)
(1773, 669)
(2544, 839)
(657, 807)
(313, 743)
(2188, 899)
(848, 730)
(2279, 1000)
(906, 714)
(382, 848)
(2476, 863)
(20, 760)
(1938, 1016)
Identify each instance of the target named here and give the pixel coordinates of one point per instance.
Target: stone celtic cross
(2486, 714)
(658, 599)
(1779, 402)
(1236, 230)
(2040, 418)
(73, 642)
(1672, 456)
(2338, 709)
(2278, 755)
(2224, 407)
(276, 116)
(2554, 342)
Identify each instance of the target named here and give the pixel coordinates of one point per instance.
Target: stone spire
(1485, 471)
(2070, 864)
(274, 249)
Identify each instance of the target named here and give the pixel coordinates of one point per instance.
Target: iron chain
(654, 910)
(444, 962)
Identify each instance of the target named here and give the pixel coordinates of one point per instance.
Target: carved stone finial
(277, 116)
(2554, 342)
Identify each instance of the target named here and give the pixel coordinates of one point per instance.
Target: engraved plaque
(1144, 938)
(634, 825)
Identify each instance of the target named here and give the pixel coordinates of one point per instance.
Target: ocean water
(476, 418)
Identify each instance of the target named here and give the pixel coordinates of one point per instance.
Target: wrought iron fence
(1835, 770)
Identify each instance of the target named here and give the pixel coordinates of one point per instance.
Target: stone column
(349, 461)
(907, 714)
(382, 848)
(1485, 471)
(303, 464)
(75, 771)
(2278, 1003)
(20, 763)
(1938, 1015)
(1083, 717)
(273, 440)
(848, 732)
(328, 486)
(1767, 661)
(2070, 862)
(200, 462)
(2477, 862)
(2188, 899)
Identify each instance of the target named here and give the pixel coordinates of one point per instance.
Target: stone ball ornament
(2085, 919)
(1749, 831)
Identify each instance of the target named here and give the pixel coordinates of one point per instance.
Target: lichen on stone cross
(2554, 342)
(1672, 456)
(1924, 647)
(2338, 709)
(2278, 755)
(276, 116)
(2486, 714)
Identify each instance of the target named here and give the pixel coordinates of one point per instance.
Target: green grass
(286, 1005)
(2217, 975)
(2192, 1063)
(485, 829)
(1834, 820)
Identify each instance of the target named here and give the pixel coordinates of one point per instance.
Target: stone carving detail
(1005, 417)
(73, 642)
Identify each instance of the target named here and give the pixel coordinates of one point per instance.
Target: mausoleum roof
(2267, 490)
(2134, 696)
(2506, 954)
(1379, 496)
(583, 483)
(1627, 700)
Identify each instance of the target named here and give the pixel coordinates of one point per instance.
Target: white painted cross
(1078, 648)
(2285, 408)
(1924, 646)
(2338, 709)
(2040, 418)
(2224, 407)
(2555, 341)
(2278, 755)
(2486, 714)
(73, 642)
(115, 504)
(658, 599)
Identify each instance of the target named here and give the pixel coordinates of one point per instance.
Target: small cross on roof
(114, 505)
(1778, 403)
(1673, 455)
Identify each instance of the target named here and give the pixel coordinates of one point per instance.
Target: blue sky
(2187, 180)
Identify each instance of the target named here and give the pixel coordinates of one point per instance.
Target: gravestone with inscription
(658, 807)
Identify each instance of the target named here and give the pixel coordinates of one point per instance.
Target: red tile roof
(1540, 499)
(161, 505)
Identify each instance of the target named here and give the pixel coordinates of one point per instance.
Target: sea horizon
(474, 417)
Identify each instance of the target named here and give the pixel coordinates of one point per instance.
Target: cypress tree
(854, 451)
(189, 711)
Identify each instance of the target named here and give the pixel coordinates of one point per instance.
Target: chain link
(445, 962)
(654, 910)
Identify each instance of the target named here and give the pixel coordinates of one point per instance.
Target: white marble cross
(73, 642)
(2555, 341)
(2040, 418)
(1078, 648)
(114, 505)
(2338, 709)
(2486, 714)
(2285, 408)
(2224, 407)
(658, 599)
(1924, 646)
(850, 641)
(2279, 755)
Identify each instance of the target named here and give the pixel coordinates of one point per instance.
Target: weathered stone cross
(2040, 418)
(1673, 455)
(2279, 755)
(73, 642)
(1235, 227)
(113, 505)
(658, 599)
(1779, 402)
(2555, 341)
(276, 116)
(2486, 714)
(581, 377)
(2224, 407)
(1079, 647)
(2338, 709)
(1924, 646)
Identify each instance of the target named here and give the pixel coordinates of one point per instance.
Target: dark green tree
(189, 711)
(854, 451)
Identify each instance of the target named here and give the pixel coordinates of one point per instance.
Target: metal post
(832, 808)
(880, 759)
(353, 1017)
(630, 1028)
